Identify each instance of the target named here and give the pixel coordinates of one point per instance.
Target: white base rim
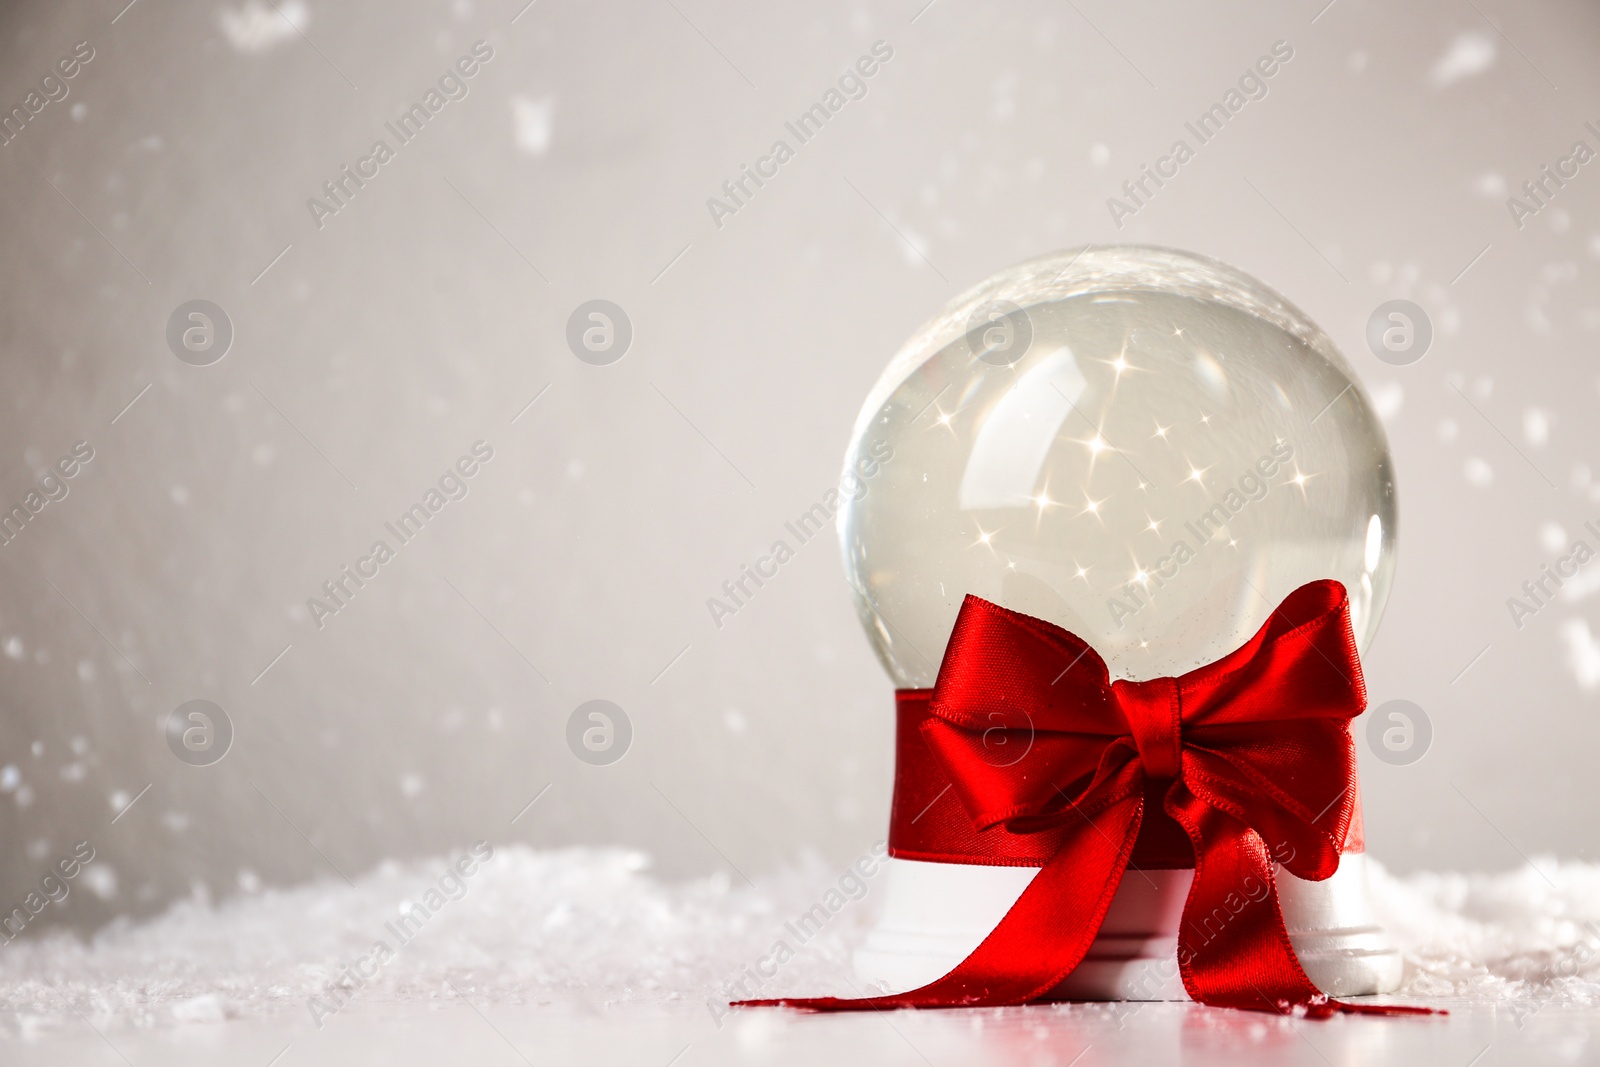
(935, 914)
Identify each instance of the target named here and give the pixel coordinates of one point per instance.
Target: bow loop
(1301, 664)
(1003, 668)
(1022, 777)
(1296, 790)
(1026, 710)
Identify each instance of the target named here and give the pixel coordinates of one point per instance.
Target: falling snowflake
(256, 27)
(1583, 653)
(1469, 54)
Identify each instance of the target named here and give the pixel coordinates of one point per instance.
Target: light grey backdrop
(372, 351)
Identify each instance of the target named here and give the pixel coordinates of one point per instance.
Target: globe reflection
(1148, 448)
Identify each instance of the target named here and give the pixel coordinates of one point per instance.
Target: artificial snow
(1530, 935)
(590, 928)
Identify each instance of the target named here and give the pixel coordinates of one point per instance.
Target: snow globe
(1151, 450)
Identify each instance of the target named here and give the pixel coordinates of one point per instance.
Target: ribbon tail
(1233, 946)
(1040, 940)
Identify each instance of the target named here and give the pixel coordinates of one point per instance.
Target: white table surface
(455, 1032)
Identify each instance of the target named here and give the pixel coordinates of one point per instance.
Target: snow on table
(583, 929)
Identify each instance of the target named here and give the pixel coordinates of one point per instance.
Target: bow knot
(1154, 713)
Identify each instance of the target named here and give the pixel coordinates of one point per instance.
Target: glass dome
(1144, 446)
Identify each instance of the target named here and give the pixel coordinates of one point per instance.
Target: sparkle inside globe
(1145, 447)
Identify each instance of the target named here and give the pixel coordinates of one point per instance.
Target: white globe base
(934, 914)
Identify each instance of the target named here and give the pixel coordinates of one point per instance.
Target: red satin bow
(1262, 767)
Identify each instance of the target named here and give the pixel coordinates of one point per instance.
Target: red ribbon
(1251, 756)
